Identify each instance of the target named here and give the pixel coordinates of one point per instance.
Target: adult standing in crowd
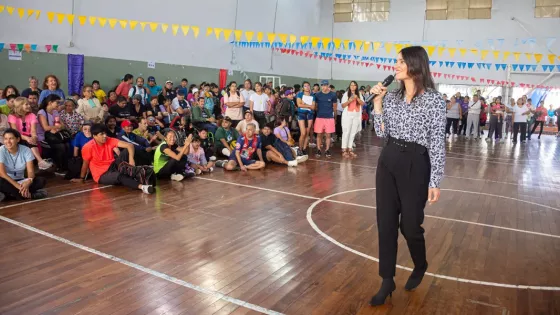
(520, 113)
(247, 91)
(258, 104)
(234, 102)
(324, 123)
(352, 103)
(306, 105)
(33, 87)
(124, 87)
(411, 165)
(540, 118)
(473, 119)
(454, 113)
(51, 85)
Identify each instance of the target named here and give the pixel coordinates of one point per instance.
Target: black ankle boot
(387, 288)
(415, 278)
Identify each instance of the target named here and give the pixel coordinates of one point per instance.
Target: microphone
(388, 80)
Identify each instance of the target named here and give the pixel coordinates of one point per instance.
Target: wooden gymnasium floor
(290, 241)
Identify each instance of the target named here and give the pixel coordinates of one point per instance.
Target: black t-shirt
(120, 112)
(169, 94)
(165, 146)
(137, 112)
(267, 140)
(26, 92)
(111, 134)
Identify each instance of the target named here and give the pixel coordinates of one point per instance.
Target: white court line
(53, 197)
(430, 216)
(463, 280)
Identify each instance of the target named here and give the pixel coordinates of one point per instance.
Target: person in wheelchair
(202, 117)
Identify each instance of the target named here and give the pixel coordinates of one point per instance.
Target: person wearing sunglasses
(89, 107)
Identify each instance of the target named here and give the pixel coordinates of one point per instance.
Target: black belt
(402, 145)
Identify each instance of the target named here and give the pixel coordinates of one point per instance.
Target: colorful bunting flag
(164, 27)
(92, 20)
(463, 51)
(143, 25)
(60, 17)
(196, 31)
(112, 23)
(227, 33)
(218, 32)
(70, 18)
(271, 37)
(154, 26)
(82, 19)
(538, 57)
(123, 23)
(50, 16)
(21, 12)
(102, 21)
(376, 46)
(451, 51)
(133, 24)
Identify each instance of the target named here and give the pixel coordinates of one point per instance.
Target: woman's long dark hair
(348, 91)
(418, 64)
(48, 99)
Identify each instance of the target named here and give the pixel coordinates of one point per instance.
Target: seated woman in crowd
(143, 154)
(51, 130)
(202, 117)
(285, 142)
(51, 85)
(8, 90)
(197, 158)
(112, 100)
(81, 139)
(226, 137)
(70, 118)
(15, 161)
(25, 122)
(242, 125)
(247, 146)
(206, 145)
(270, 153)
(137, 110)
(33, 87)
(4, 125)
(170, 160)
(90, 107)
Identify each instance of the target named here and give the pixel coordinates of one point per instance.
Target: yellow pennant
(462, 51)
(50, 16)
(315, 41)
(218, 32)
(451, 51)
(10, 10)
(283, 38)
(60, 18)
(227, 33)
(209, 31)
(249, 35)
(528, 55)
(483, 54)
(174, 29)
(70, 18)
(195, 30)
(185, 29)
(304, 39)
(153, 26)
(82, 19)
(37, 14)
(538, 57)
(92, 20)
(112, 22)
(27, 47)
(516, 55)
(133, 24)
(346, 44)
(260, 36)
(237, 34)
(143, 25)
(496, 54)
(293, 39)
(123, 23)
(102, 21)
(2, 8)
(440, 51)
(398, 48)
(359, 44)
(388, 47)
(21, 12)
(430, 50)
(551, 58)
(376, 46)
(326, 41)
(271, 37)
(506, 55)
(164, 27)
(367, 46)
(337, 42)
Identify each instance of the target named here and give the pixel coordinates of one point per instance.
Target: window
(547, 8)
(458, 9)
(361, 10)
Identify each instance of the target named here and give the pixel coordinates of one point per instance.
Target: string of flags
(384, 67)
(292, 41)
(28, 47)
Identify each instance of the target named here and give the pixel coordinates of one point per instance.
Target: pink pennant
(301, 52)
(378, 66)
(453, 77)
(13, 47)
(48, 47)
(330, 58)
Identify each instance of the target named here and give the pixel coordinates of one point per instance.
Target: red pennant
(315, 56)
(330, 58)
(378, 66)
(301, 52)
(522, 85)
(453, 77)
(14, 47)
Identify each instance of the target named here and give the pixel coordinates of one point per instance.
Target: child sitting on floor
(197, 158)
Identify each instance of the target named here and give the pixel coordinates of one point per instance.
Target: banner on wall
(75, 73)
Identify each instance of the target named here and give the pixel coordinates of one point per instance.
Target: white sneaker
(197, 171)
(293, 163)
(226, 152)
(177, 177)
(302, 158)
(44, 165)
(147, 189)
(211, 169)
(212, 158)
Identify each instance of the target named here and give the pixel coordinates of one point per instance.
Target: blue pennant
(33, 47)
(497, 66)
(479, 65)
(471, 64)
(521, 67)
(488, 66)
(500, 42)
(459, 42)
(339, 56)
(432, 63)
(382, 60)
(491, 42)
(544, 67)
(504, 66)
(297, 45)
(452, 63)
(534, 67)
(364, 58)
(558, 66)
(515, 67)
(441, 63)
(356, 57)
(447, 63)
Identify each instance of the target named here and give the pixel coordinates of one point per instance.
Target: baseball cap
(194, 90)
(126, 123)
(227, 119)
(168, 81)
(151, 79)
(325, 82)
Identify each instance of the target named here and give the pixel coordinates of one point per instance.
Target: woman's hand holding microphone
(379, 91)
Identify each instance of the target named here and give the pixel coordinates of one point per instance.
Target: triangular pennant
(30, 13)
(398, 48)
(551, 58)
(271, 37)
(367, 47)
(37, 14)
(293, 39)
(470, 65)
(483, 54)
(153, 26)
(218, 31)
(82, 19)
(185, 29)
(237, 35)
(164, 27)
(133, 24)
(534, 67)
(174, 29)
(359, 44)
(337, 42)
(496, 54)
(514, 67)
(10, 10)
(21, 12)
(521, 67)
(260, 36)
(33, 47)
(196, 31)
(227, 33)
(209, 31)
(19, 47)
(112, 22)
(462, 51)
(325, 41)
(451, 51)
(284, 38)
(376, 46)
(60, 17)
(314, 41)
(528, 55)
(123, 23)
(2, 8)
(304, 39)
(47, 47)
(27, 47)
(451, 64)
(55, 48)
(440, 51)
(538, 57)
(389, 47)
(92, 20)
(70, 18)
(506, 55)
(440, 63)
(346, 44)
(50, 16)
(516, 55)
(102, 21)
(430, 50)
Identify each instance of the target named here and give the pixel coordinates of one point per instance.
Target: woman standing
(51, 85)
(519, 117)
(351, 121)
(89, 107)
(15, 161)
(496, 120)
(508, 119)
(410, 167)
(454, 113)
(306, 106)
